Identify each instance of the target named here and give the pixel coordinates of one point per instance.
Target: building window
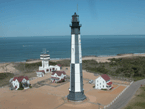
(103, 81)
(100, 83)
(97, 84)
(103, 85)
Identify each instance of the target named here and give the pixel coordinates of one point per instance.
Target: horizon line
(82, 35)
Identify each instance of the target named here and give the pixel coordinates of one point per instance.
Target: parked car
(91, 81)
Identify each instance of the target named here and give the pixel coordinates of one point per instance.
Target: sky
(52, 17)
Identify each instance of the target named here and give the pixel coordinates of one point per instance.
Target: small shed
(40, 73)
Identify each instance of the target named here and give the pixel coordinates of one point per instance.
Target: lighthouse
(46, 68)
(45, 59)
(76, 91)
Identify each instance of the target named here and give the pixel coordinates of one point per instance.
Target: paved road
(127, 95)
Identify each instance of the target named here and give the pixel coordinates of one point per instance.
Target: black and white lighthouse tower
(76, 91)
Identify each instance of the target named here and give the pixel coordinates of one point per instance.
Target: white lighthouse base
(50, 68)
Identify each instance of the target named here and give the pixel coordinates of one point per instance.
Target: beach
(8, 67)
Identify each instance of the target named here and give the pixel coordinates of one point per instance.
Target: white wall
(60, 77)
(40, 74)
(15, 83)
(50, 67)
(73, 48)
(99, 83)
(77, 78)
(70, 78)
(80, 50)
(57, 67)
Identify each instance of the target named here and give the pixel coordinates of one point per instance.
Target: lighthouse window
(77, 18)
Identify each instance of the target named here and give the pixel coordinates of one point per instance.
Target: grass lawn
(4, 78)
(132, 68)
(138, 101)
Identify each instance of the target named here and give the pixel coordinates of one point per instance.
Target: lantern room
(75, 17)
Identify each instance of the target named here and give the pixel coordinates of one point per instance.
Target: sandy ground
(105, 59)
(7, 67)
(48, 97)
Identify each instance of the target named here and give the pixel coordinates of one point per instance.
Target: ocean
(17, 49)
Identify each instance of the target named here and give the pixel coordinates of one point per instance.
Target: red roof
(109, 83)
(55, 77)
(105, 77)
(58, 73)
(59, 65)
(20, 78)
(41, 71)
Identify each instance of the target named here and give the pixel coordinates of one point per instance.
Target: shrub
(30, 86)
(101, 69)
(104, 89)
(64, 62)
(52, 63)
(5, 75)
(21, 87)
(63, 80)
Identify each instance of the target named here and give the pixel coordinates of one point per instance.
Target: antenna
(77, 8)
(44, 50)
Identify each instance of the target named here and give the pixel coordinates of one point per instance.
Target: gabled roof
(20, 78)
(105, 77)
(109, 83)
(59, 65)
(58, 73)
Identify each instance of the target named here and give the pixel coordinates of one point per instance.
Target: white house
(15, 82)
(40, 73)
(57, 76)
(45, 64)
(59, 66)
(103, 82)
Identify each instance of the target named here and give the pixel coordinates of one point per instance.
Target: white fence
(117, 96)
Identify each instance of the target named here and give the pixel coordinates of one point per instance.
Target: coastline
(83, 57)
(9, 66)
